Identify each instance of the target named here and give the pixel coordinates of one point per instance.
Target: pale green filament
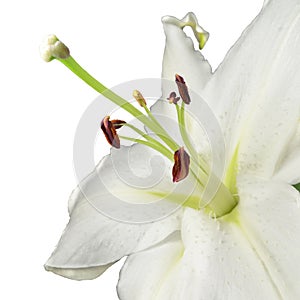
(223, 201)
(185, 137)
(156, 146)
(142, 133)
(151, 142)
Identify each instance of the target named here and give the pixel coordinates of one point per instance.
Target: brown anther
(110, 132)
(181, 165)
(139, 98)
(118, 123)
(173, 99)
(182, 88)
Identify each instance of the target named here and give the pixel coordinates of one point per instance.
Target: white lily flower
(252, 250)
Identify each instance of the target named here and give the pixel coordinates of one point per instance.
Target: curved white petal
(255, 91)
(290, 168)
(217, 262)
(269, 214)
(143, 272)
(181, 58)
(92, 241)
(79, 273)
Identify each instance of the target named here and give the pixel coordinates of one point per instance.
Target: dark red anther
(181, 165)
(118, 123)
(182, 88)
(109, 129)
(173, 99)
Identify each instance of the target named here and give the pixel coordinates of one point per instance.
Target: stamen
(173, 99)
(182, 88)
(139, 98)
(181, 165)
(110, 131)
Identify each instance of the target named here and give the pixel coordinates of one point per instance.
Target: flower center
(186, 160)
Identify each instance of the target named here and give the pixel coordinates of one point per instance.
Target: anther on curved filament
(109, 129)
(181, 165)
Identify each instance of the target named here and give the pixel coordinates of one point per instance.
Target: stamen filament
(186, 140)
(223, 202)
(167, 153)
(156, 146)
(147, 136)
(143, 134)
(72, 64)
(153, 143)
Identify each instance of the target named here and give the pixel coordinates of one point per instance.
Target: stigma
(53, 48)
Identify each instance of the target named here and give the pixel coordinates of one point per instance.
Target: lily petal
(269, 215)
(93, 241)
(215, 262)
(288, 169)
(180, 57)
(143, 272)
(78, 273)
(258, 81)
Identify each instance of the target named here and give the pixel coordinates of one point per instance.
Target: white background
(41, 105)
